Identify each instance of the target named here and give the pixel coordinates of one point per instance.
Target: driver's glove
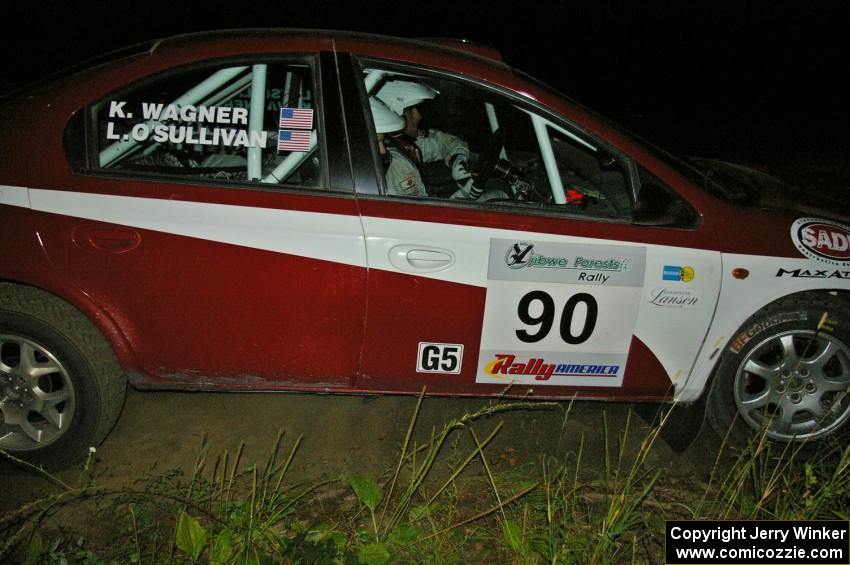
(463, 178)
(460, 168)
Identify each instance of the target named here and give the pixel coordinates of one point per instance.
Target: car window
(515, 157)
(249, 123)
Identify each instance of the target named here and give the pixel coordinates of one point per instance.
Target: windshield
(698, 172)
(695, 172)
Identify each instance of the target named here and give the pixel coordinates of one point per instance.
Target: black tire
(74, 404)
(785, 373)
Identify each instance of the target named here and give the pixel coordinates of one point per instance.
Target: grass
(443, 500)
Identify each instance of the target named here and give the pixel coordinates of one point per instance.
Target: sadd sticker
(822, 240)
(559, 313)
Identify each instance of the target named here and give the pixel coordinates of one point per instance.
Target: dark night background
(763, 83)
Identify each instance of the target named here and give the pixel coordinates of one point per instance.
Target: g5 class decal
(439, 358)
(559, 313)
(822, 240)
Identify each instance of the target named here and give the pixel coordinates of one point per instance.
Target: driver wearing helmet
(400, 169)
(419, 146)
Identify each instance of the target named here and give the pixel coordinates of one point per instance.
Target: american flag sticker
(296, 118)
(288, 140)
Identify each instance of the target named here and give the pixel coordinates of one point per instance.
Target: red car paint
(188, 312)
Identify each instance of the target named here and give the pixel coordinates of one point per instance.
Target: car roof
(462, 56)
(453, 46)
(267, 39)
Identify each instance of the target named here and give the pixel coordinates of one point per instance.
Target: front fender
(769, 279)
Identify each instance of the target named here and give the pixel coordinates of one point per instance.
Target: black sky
(756, 81)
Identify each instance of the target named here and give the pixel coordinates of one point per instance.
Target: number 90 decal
(547, 317)
(563, 316)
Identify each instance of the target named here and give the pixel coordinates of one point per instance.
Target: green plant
(395, 531)
(256, 529)
(770, 482)
(578, 519)
(429, 507)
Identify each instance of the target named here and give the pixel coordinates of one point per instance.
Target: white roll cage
(222, 86)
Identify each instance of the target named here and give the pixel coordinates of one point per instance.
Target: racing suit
(403, 174)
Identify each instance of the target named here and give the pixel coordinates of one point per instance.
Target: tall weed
(440, 501)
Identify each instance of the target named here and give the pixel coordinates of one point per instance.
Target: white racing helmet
(386, 121)
(401, 94)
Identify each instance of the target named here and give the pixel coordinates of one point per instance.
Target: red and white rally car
(214, 211)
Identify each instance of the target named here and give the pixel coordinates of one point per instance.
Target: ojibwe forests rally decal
(559, 313)
(822, 240)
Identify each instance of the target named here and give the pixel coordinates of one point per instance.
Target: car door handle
(109, 239)
(420, 258)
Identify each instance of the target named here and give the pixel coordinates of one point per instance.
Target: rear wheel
(786, 374)
(61, 388)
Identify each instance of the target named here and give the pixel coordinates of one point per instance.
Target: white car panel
(329, 237)
(740, 298)
(674, 333)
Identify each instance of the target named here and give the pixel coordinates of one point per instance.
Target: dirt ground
(342, 435)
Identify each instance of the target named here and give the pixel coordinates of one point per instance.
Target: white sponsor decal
(559, 313)
(822, 240)
(675, 298)
(156, 114)
(183, 113)
(439, 358)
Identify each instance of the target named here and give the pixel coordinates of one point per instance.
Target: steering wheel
(489, 157)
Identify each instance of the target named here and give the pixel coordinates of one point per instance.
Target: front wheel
(786, 373)
(61, 388)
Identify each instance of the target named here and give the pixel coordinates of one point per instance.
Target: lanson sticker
(674, 298)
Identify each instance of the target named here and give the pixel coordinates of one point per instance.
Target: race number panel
(559, 313)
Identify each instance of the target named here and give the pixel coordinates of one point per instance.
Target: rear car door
(210, 213)
(554, 282)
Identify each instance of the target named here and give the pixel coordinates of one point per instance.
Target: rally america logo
(509, 364)
(822, 240)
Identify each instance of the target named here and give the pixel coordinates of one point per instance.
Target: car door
(553, 283)
(211, 214)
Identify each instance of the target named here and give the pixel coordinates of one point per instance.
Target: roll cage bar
(220, 87)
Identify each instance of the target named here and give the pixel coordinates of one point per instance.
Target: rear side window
(246, 123)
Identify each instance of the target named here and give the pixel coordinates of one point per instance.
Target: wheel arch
(67, 393)
(90, 310)
(792, 392)
(702, 376)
